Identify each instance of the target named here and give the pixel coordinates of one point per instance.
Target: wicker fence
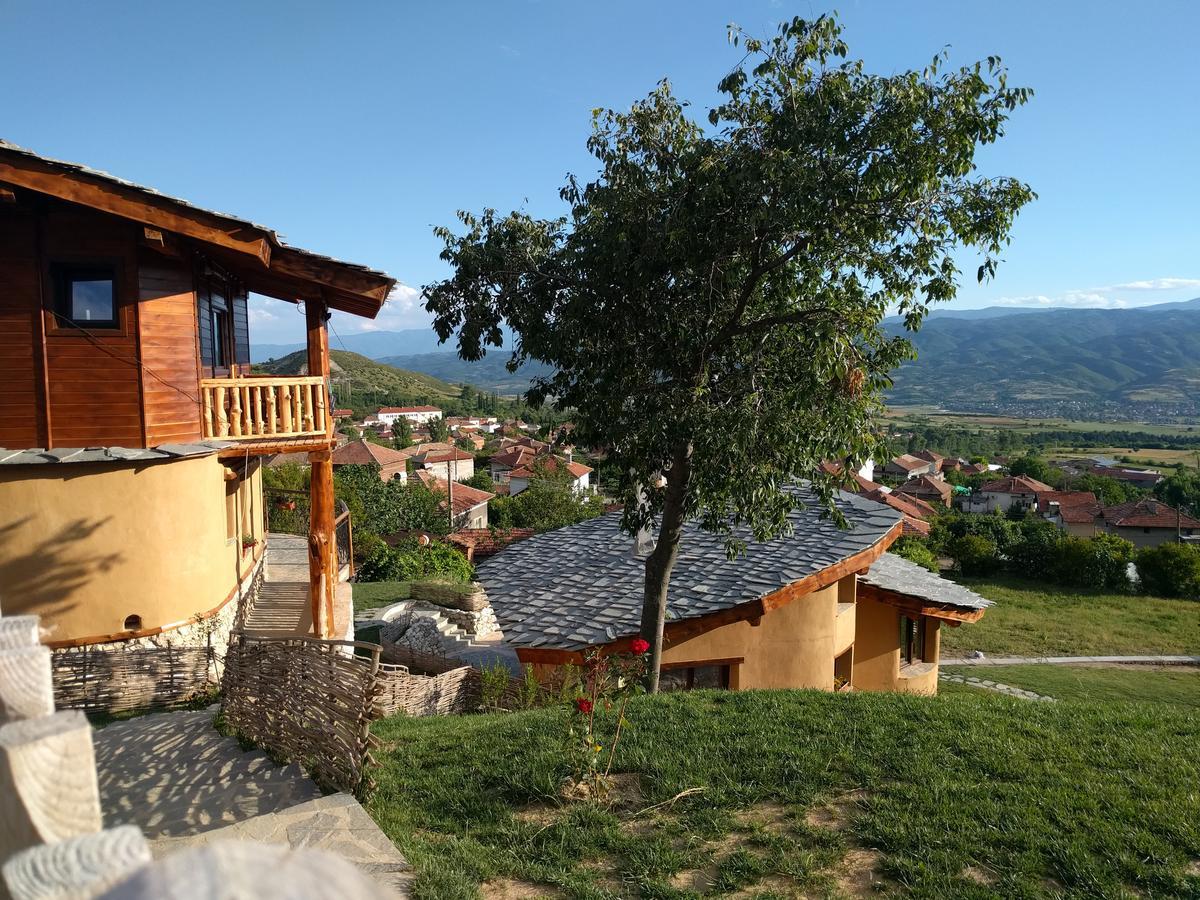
(421, 684)
(307, 701)
(118, 680)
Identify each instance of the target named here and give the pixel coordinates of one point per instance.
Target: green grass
(1179, 685)
(960, 796)
(1036, 619)
(374, 594)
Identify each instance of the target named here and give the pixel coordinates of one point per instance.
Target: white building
(417, 415)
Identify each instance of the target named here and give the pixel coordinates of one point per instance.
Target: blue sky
(353, 128)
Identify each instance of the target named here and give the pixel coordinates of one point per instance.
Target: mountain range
(989, 359)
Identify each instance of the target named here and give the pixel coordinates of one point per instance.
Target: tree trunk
(661, 561)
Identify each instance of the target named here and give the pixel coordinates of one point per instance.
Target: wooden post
(83, 866)
(322, 545)
(26, 684)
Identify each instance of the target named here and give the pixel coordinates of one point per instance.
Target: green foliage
(1034, 552)
(544, 506)
(822, 196)
(482, 480)
(952, 524)
(288, 477)
(914, 549)
(412, 562)
(1170, 570)
(1108, 491)
(974, 554)
(1036, 468)
(1181, 489)
(1100, 562)
(388, 507)
(438, 430)
(402, 433)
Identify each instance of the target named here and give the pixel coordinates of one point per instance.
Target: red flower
(639, 646)
(583, 705)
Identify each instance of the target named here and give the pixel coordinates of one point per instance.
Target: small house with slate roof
(822, 607)
(131, 496)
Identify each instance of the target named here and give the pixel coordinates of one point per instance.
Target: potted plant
(248, 542)
(285, 503)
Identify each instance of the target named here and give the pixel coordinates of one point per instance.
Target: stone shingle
(582, 585)
(893, 573)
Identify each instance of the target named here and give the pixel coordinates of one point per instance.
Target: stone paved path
(997, 687)
(174, 776)
(282, 607)
(1073, 660)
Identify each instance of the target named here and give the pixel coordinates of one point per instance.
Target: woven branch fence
(421, 684)
(306, 700)
(118, 680)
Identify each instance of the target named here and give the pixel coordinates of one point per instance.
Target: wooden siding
(95, 386)
(171, 365)
(22, 423)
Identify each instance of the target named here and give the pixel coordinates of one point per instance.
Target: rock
(976, 654)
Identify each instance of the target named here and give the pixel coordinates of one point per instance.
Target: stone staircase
(453, 641)
(182, 782)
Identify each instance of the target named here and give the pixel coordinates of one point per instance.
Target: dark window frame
(912, 640)
(63, 276)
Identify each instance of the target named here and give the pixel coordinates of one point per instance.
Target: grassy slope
(1043, 620)
(374, 594)
(1039, 800)
(1176, 685)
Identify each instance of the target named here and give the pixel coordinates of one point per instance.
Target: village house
(549, 466)
(1074, 512)
(1147, 522)
(470, 504)
(862, 484)
(932, 490)
(794, 612)
(131, 498)
(417, 415)
(1020, 491)
(392, 463)
(916, 512)
(502, 464)
(451, 462)
(909, 466)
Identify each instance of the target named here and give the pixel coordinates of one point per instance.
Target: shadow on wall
(43, 580)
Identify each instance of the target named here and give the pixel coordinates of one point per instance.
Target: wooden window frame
(731, 665)
(61, 273)
(912, 639)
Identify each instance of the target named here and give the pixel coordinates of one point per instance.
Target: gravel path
(1006, 689)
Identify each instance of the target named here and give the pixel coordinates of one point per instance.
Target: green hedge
(1170, 570)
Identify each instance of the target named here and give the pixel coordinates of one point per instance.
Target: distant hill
(488, 373)
(1080, 356)
(372, 344)
(365, 375)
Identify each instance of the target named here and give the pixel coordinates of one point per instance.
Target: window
(219, 312)
(688, 678)
(85, 296)
(912, 640)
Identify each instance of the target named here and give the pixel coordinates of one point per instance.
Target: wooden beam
(7, 196)
(136, 204)
(918, 606)
(334, 274)
(825, 577)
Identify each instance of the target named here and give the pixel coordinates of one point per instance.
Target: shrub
(974, 554)
(411, 562)
(1035, 554)
(914, 549)
(1170, 570)
(1098, 562)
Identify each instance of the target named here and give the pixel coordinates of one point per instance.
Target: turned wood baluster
(271, 423)
(248, 411)
(222, 416)
(206, 396)
(297, 408)
(285, 408)
(258, 409)
(235, 410)
(320, 414)
(309, 408)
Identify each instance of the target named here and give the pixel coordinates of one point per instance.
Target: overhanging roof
(265, 263)
(908, 583)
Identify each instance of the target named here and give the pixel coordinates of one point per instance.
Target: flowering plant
(606, 683)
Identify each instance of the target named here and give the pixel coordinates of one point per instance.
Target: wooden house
(131, 502)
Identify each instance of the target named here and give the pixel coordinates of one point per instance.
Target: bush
(1035, 553)
(1170, 570)
(952, 525)
(915, 550)
(974, 554)
(1098, 562)
(412, 562)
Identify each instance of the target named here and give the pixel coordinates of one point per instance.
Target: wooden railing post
(294, 407)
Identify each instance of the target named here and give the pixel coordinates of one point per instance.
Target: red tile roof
(342, 413)
(514, 457)
(1019, 484)
(908, 462)
(1147, 513)
(928, 456)
(910, 506)
(864, 485)
(408, 409)
(466, 497)
(364, 453)
(551, 464)
(926, 485)
(440, 456)
(481, 543)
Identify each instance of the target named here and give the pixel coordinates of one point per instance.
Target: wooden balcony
(256, 408)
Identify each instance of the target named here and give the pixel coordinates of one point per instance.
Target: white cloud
(1104, 297)
(403, 309)
(1157, 284)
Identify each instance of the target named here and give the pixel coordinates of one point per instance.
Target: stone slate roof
(581, 586)
(893, 573)
(37, 455)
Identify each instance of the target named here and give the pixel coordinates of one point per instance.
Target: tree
(1033, 466)
(1181, 489)
(402, 435)
(710, 306)
(439, 430)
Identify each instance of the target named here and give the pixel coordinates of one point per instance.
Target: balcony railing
(256, 408)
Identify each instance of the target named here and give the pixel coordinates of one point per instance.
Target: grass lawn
(374, 594)
(804, 793)
(1036, 619)
(1179, 685)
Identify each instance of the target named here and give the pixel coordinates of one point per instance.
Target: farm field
(933, 416)
(1147, 456)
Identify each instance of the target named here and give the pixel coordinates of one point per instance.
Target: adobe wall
(84, 546)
